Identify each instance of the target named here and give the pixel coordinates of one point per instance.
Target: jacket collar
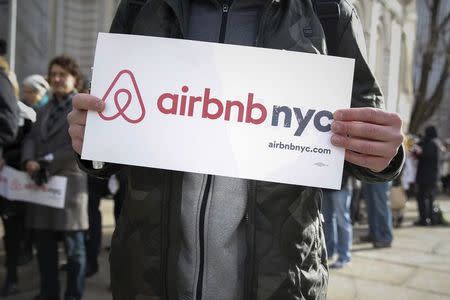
(181, 10)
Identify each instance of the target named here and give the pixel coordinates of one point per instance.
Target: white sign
(218, 109)
(17, 186)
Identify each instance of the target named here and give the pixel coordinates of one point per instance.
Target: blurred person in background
(98, 189)
(427, 154)
(379, 214)
(408, 175)
(47, 152)
(446, 168)
(9, 123)
(338, 224)
(35, 91)
(17, 239)
(6, 69)
(9, 111)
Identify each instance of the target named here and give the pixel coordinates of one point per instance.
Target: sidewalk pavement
(417, 267)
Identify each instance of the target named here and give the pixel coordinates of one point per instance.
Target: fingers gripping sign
(370, 136)
(77, 117)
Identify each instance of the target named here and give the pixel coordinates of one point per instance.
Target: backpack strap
(329, 12)
(134, 7)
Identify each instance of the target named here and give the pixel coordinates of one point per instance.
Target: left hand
(370, 136)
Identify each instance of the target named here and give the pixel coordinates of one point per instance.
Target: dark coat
(428, 160)
(12, 154)
(9, 112)
(41, 142)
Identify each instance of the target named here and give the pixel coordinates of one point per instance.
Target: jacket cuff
(388, 174)
(107, 171)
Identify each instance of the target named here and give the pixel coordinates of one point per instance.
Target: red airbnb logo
(208, 106)
(122, 110)
(15, 185)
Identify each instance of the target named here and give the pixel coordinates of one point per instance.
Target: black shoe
(91, 270)
(421, 223)
(366, 239)
(380, 245)
(339, 264)
(9, 289)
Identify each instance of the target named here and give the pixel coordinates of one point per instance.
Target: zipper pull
(225, 8)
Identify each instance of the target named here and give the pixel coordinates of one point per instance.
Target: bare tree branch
(442, 26)
(438, 95)
(436, 48)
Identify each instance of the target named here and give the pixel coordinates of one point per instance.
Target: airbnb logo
(209, 107)
(122, 109)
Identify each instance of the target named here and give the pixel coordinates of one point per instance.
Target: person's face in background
(61, 81)
(30, 95)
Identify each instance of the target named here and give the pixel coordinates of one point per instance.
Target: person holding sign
(196, 236)
(47, 152)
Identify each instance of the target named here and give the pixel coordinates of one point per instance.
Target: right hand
(2, 163)
(32, 166)
(81, 103)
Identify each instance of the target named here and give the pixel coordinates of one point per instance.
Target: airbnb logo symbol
(122, 108)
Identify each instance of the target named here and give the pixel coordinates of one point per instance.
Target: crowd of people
(425, 174)
(40, 145)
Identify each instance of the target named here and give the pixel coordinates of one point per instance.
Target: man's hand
(2, 163)
(77, 117)
(370, 136)
(32, 166)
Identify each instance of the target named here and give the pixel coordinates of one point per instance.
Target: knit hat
(37, 82)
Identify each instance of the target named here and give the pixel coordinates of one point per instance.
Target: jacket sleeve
(366, 91)
(9, 113)
(62, 159)
(118, 26)
(119, 22)
(29, 143)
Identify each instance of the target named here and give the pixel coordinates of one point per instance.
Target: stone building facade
(441, 117)
(390, 31)
(50, 27)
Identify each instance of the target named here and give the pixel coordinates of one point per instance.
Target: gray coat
(56, 141)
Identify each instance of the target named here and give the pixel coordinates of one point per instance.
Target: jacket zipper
(250, 218)
(223, 29)
(251, 237)
(223, 26)
(164, 233)
(202, 237)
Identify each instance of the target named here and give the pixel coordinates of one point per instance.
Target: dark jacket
(284, 245)
(56, 141)
(428, 159)
(9, 112)
(12, 154)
